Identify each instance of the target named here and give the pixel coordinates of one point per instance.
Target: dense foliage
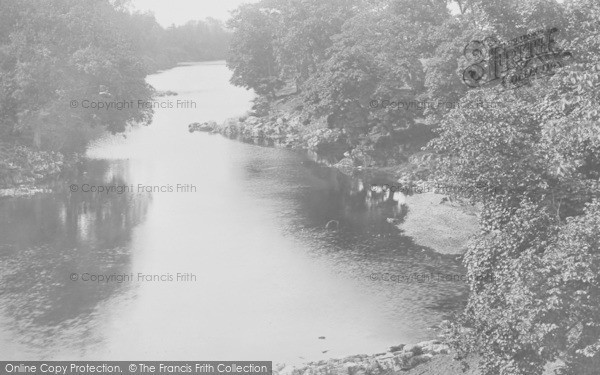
(55, 51)
(540, 237)
(531, 154)
(339, 56)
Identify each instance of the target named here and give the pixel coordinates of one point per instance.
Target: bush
(543, 301)
(21, 165)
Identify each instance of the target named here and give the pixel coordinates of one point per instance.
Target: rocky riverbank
(279, 131)
(433, 219)
(397, 358)
(23, 191)
(425, 358)
(25, 172)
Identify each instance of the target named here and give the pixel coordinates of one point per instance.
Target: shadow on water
(344, 221)
(46, 239)
(297, 241)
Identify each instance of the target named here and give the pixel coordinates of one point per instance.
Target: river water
(260, 277)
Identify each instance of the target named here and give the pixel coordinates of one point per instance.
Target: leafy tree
(534, 158)
(531, 155)
(276, 42)
(304, 33)
(53, 52)
(252, 58)
(66, 50)
(376, 61)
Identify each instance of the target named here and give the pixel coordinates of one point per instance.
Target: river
(243, 226)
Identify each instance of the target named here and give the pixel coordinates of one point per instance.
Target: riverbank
(397, 358)
(435, 358)
(442, 364)
(433, 220)
(25, 171)
(436, 222)
(425, 358)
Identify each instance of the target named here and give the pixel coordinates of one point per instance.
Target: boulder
(201, 127)
(285, 370)
(414, 349)
(164, 93)
(374, 368)
(346, 166)
(436, 349)
(403, 358)
(429, 343)
(332, 224)
(279, 366)
(352, 359)
(418, 359)
(388, 362)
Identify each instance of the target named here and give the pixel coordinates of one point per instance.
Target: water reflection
(365, 242)
(271, 277)
(357, 208)
(44, 239)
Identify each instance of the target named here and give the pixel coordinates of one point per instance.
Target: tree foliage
(340, 56)
(55, 52)
(63, 50)
(52, 52)
(531, 154)
(539, 147)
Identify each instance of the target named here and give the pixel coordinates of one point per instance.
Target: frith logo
(514, 63)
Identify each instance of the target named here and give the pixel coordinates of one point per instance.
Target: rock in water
(332, 224)
(192, 127)
(198, 127)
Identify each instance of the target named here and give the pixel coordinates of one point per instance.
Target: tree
(252, 57)
(58, 51)
(377, 60)
(534, 158)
